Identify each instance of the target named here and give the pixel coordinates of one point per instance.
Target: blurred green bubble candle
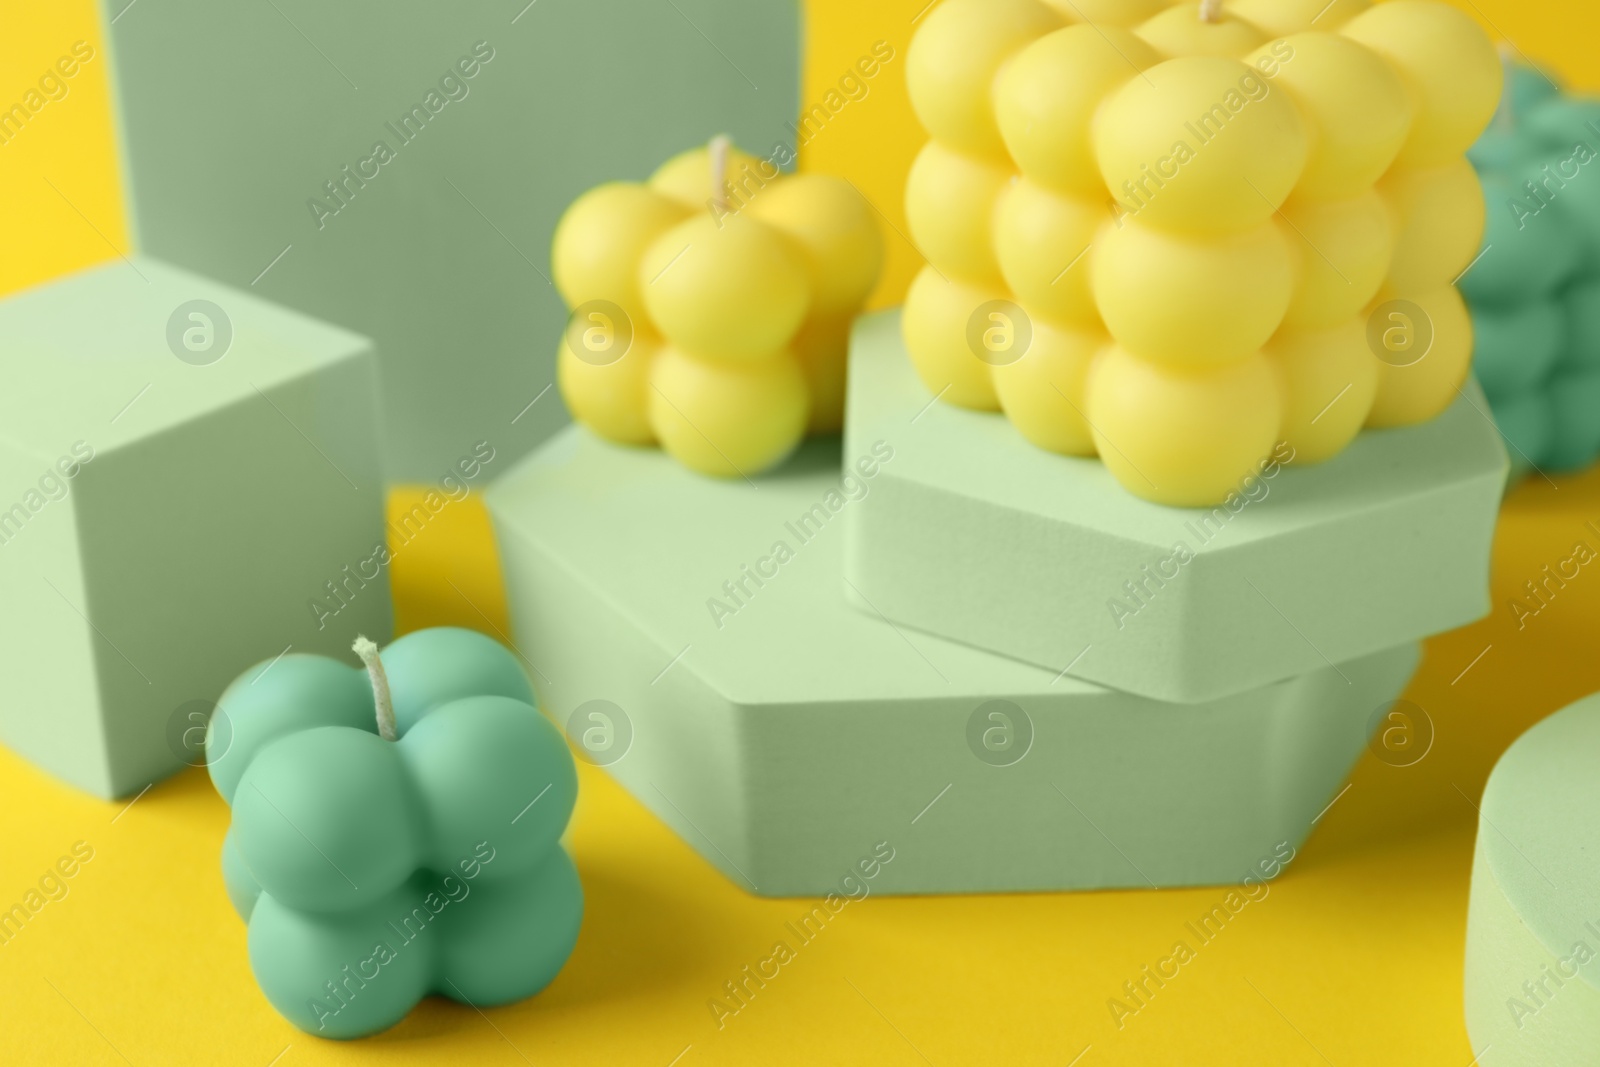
(1534, 291)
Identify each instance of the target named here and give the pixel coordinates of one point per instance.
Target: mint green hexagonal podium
(251, 137)
(978, 536)
(699, 629)
(180, 484)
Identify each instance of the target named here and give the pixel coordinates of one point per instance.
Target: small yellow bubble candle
(1184, 216)
(711, 307)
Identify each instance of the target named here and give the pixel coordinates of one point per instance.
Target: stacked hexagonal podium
(940, 643)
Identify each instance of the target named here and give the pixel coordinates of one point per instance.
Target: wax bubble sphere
(373, 872)
(959, 47)
(1200, 145)
(1197, 220)
(1534, 284)
(1046, 97)
(728, 288)
(711, 307)
(602, 236)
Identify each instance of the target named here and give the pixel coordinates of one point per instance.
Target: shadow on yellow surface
(1483, 685)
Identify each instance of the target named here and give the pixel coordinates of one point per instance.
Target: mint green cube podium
(693, 637)
(189, 484)
(980, 537)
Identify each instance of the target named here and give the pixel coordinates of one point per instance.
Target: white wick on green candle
(719, 170)
(1210, 10)
(368, 651)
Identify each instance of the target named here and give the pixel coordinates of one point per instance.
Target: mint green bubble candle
(1534, 291)
(396, 830)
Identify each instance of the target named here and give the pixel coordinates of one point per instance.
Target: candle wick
(719, 170)
(368, 651)
(1210, 10)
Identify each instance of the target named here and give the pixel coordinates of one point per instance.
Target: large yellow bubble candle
(711, 307)
(1176, 235)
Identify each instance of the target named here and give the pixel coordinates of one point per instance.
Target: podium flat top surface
(79, 352)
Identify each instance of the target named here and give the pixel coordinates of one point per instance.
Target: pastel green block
(236, 117)
(1533, 923)
(693, 636)
(220, 500)
(978, 536)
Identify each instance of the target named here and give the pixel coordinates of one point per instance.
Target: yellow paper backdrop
(1353, 958)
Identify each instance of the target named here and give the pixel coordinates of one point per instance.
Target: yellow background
(1353, 958)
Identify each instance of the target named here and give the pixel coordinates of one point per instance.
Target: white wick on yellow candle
(719, 170)
(1210, 10)
(368, 651)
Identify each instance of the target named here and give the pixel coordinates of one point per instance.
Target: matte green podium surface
(1533, 925)
(693, 636)
(167, 520)
(976, 535)
(251, 134)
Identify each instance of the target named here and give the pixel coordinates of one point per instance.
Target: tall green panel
(235, 118)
